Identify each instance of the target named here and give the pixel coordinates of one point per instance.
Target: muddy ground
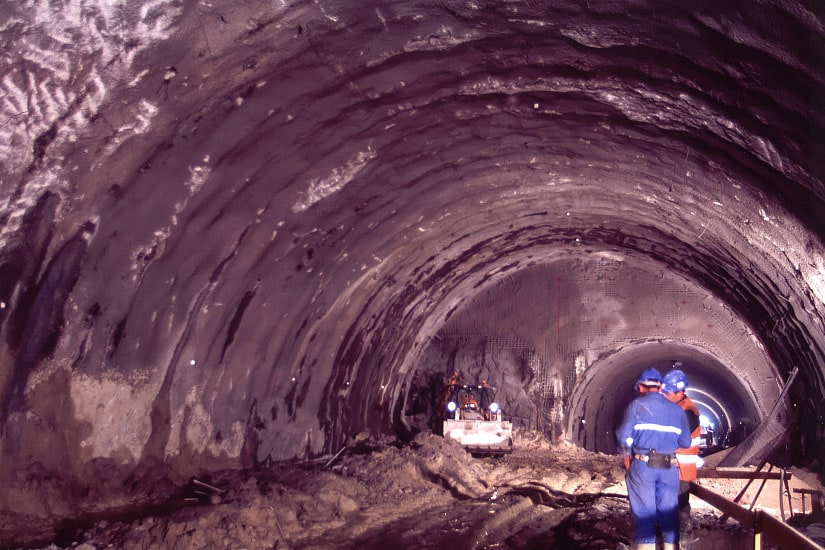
(429, 493)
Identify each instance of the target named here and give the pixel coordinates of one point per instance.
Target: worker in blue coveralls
(652, 429)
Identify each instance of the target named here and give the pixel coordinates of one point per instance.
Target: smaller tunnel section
(563, 341)
(729, 407)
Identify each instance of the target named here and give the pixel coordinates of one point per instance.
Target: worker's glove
(627, 463)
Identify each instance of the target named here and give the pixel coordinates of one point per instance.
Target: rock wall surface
(235, 233)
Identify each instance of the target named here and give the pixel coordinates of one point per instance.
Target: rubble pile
(378, 493)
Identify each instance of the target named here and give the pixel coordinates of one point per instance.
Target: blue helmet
(674, 381)
(650, 377)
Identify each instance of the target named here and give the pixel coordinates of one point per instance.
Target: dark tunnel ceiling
(238, 232)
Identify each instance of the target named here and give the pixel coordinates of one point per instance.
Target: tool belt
(654, 459)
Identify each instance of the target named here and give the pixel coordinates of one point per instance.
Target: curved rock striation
(237, 233)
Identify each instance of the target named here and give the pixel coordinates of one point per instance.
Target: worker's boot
(686, 524)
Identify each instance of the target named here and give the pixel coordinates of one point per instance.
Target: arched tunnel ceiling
(240, 232)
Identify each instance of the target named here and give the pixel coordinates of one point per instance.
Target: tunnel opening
(598, 402)
(716, 423)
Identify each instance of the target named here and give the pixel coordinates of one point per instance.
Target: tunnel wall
(231, 232)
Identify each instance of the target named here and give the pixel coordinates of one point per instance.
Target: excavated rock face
(238, 232)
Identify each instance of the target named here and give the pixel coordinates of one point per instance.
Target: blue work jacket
(653, 422)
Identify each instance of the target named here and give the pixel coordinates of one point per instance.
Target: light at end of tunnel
(193, 362)
(494, 407)
(705, 422)
(2, 305)
(293, 379)
(451, 406)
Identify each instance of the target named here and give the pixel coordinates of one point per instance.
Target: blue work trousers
(654, 500)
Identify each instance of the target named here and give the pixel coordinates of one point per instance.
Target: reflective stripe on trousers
(654, 499)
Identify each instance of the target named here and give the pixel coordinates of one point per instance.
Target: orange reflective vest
(689, 459)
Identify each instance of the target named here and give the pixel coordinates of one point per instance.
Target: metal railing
(763, 524)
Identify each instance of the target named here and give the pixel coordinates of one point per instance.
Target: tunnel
(237, 233)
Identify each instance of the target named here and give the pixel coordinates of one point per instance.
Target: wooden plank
(711, 473)
(807, 491)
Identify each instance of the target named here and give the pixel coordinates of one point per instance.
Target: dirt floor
(427, 494)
